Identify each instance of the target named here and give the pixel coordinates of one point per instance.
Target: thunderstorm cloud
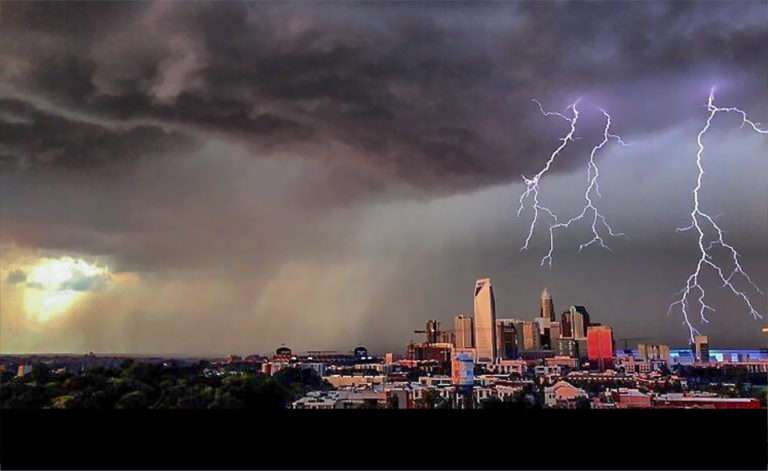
(325, 174)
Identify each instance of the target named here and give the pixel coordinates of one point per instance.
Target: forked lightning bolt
(699, 221)
(593, 174)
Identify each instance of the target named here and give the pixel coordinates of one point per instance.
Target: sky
(225, 177)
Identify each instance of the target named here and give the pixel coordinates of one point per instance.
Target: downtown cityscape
(567, 361)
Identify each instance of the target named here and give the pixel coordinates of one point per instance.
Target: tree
(430, 399)
(583, 403)
(132, 400)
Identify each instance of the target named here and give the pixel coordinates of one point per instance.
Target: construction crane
(432, 331)
(627, 339)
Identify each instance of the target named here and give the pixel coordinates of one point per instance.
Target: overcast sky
(334, 173)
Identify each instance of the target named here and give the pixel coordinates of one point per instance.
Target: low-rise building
(627, 398)
(563, 394)
(348, 381)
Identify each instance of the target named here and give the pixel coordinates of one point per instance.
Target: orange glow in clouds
(55, 285)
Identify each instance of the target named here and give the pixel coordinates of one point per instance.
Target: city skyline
(216, 177)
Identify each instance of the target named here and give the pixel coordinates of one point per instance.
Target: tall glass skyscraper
(485, 320)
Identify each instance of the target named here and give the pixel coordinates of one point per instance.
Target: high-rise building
(506, 339)
(700, 348)
(653, 352)
(600, 347)
(554, 335)
(566, 329)
(465, 334)
(547, 306)
(485, 320)
(528, 336)
(433, 327)
(579, 321)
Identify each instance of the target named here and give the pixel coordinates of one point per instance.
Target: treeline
(136, 385)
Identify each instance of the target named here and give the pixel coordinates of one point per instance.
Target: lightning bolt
(699, 220)
(593, 186)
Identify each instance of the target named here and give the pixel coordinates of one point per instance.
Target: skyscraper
(565, 324)
(547, 306)
(528, 336)
(600, 347)
(554, 335)
(485, 320)
(653, 352)
(579, 321)
(506, 339)
(701, 348)
(465, 334)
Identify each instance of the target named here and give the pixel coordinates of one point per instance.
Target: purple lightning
(699, 219)
(593, 173)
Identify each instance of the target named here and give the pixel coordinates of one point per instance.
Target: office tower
(566, 329)
(465, 334)
(448, 337)
(600, 347)
(567, 347)
(433, 327)
(528, 336)
(701, 349)
(653, 352)
(579, 321)
(543, 324)
(485, 321)
(547, 306)
(506, 339)
(554, 335)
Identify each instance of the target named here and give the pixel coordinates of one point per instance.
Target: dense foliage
(136, 385)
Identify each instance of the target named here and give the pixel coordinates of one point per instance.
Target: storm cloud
(351, 168)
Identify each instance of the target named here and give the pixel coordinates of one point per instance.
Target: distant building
(562, 394)
(600, 347)
(528, 336)
(567, 347)
(23, 370)
(485, 320)
(580, 321)
(547, 308)
(700, 348)
(349, 381)
(440, 352)
(506, 339)
(630, 399)
(653, 352)
(465, 333)
(553, 335)
(360, 353)
(562, 361)
(694, 402)
(502, 366)
(566, 330)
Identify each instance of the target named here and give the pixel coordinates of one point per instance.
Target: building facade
(485, 320)
(600, 347)
(528, 336)
(506, 339)
(465, 332)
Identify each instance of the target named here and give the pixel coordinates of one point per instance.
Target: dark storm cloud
(16, 277)
(322, 172)
(431, 94)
